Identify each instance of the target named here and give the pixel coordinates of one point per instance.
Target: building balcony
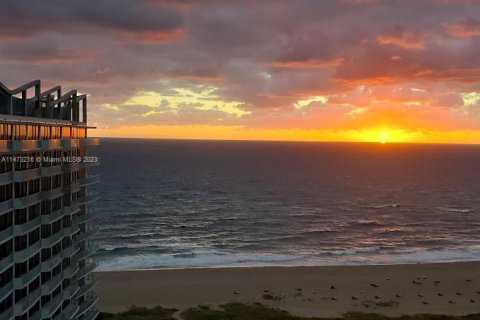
(53, 239)
(91, 164)
(45, 145)
(26, 278)
(87, 305)
(35, 173)
(70, 143)
(86, 270)
(24, 145)
(69, 210)
(36, 316)
(21, 229)
(6, 290)
(70, 292)
(6, 234)
(6, 206)
(91, 314)
(50, 144)
(24, 304)
(86, 235)
(49, 218)
(70, 231)
(20, 203)
(88, 199)
(52, 306)
(71, 271)
(85, 288)
(71, 166)
(69, 312)
(51, 263)
(72, 187)
(51, 171)
(27, 252)
(6, 177)
(25, 175)
(6, 262)
(91, 142)
(86, 217)
(89, 180)
(91, 249)
(52, 193)
(51, 284)
(70, 251)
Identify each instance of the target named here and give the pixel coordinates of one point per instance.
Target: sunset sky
(338, 70)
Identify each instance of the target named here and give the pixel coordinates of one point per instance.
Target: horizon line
(285, 141)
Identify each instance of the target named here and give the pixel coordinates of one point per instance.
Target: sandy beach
(449, 288)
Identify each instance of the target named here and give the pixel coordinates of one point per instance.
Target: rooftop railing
(50, 104)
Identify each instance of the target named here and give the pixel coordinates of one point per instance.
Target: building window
(6, 277)
(6, 249)
(20, 269)
(6, 220)
(6, 192)
(20, 243)
(20, 216)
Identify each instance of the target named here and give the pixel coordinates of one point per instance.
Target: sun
(383, 136)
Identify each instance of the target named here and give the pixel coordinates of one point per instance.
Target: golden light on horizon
(383, 137)
(242, 133)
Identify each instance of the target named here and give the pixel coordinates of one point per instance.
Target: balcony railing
(69, 312)
(89, 180)
(6, 290)
(6, 205)
(51, 284)
(26, 278)
(19, 203)
(87, 305)
(52, 306)
(28, 251)
(26, 302)
(20, 229)
(25, 175)
(6, 262)
(6, 234)
(24, 145)
(52, 144)
(91, 141)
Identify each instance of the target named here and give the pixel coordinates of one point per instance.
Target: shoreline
(290, 266)
(451, 288)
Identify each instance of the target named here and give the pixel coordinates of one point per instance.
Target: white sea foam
(357, 256)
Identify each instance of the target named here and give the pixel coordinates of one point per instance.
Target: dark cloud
(22, 19)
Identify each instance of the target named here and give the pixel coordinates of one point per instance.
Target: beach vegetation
(254, 311)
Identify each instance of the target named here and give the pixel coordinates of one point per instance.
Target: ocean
(179, 204)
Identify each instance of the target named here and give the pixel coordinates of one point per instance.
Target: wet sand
(449, 288)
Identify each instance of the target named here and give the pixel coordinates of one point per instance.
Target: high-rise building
(45, 217)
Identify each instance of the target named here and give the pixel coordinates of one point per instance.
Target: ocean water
(176, 204)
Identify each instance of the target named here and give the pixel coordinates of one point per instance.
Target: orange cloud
(307, 63)
(464, 29)
(159, 36)
(410, 39)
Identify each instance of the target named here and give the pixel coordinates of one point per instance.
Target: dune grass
(255, 311)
